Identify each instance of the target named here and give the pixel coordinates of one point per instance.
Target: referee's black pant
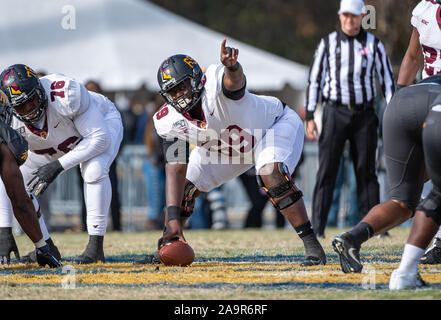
(360, 128)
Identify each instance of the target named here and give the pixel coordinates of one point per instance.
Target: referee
(342, 76)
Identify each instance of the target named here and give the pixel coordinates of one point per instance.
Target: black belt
(355, 107)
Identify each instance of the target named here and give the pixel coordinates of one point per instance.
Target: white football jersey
(67, 98)
(231, 127)
(427, 20)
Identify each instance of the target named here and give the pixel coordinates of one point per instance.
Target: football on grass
(176, 253)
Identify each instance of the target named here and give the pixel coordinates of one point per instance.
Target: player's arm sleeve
(95, 138)
(176, 150)
(384, 71)
(316, 79)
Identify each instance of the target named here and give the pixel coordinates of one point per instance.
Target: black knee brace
(187, 205)
(281, 189)
(431, 206)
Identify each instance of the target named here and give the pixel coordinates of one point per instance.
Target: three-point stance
(232, 130)
(13, 153)
(65, 125)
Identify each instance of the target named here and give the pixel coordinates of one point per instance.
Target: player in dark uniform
(410, 110)
(13, 153)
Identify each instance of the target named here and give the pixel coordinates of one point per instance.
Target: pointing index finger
(223, 45)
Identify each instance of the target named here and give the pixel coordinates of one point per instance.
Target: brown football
(176, 253)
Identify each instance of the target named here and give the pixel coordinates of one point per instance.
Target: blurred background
(119, 44)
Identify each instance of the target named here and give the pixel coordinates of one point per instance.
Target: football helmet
(181, 70)
(20, 84)
(5, 109)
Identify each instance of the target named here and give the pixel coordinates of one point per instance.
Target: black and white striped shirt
(343, 70)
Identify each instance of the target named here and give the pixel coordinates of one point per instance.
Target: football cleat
(312, 261)
(400, 281)
(31, 257)
(149, 259)
(44, 257)
(348, 253)
(94, 251)
(433, 255)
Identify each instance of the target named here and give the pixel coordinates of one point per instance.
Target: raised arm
(234, 78)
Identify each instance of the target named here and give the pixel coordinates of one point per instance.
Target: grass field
(236, 264)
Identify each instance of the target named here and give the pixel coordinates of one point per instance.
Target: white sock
(40, 243)
(6, 212)
(410, 259)
(5, 220)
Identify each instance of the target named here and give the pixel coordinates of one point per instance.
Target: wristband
(234, 68)
(173, 213)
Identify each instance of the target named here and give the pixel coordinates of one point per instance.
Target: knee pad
(431, 206)
(190, 194)
(282, 189)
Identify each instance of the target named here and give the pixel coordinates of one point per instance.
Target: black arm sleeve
(15, 142)
(176, 150)
(234, 95)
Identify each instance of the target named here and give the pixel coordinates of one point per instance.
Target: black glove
(7, 245)
(43, 177)
(44, 257)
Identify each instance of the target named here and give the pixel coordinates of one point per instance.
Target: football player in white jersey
(425, 43)
(424, 46)
(65, 125)
(232, 130)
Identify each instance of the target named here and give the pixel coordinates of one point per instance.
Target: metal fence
(65, 198)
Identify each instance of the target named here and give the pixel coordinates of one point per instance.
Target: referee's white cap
(351, 6)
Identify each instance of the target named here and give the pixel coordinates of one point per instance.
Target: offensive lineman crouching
(65, 125)
(13, 153)
(218, 102)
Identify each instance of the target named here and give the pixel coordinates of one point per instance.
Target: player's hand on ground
(7, 246)
(43, 177)
(311, 130)
(173, 230)
(44, 257)
(228, 55)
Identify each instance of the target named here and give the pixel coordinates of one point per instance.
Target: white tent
(122, 42)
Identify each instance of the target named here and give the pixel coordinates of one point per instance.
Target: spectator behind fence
(342, 76)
